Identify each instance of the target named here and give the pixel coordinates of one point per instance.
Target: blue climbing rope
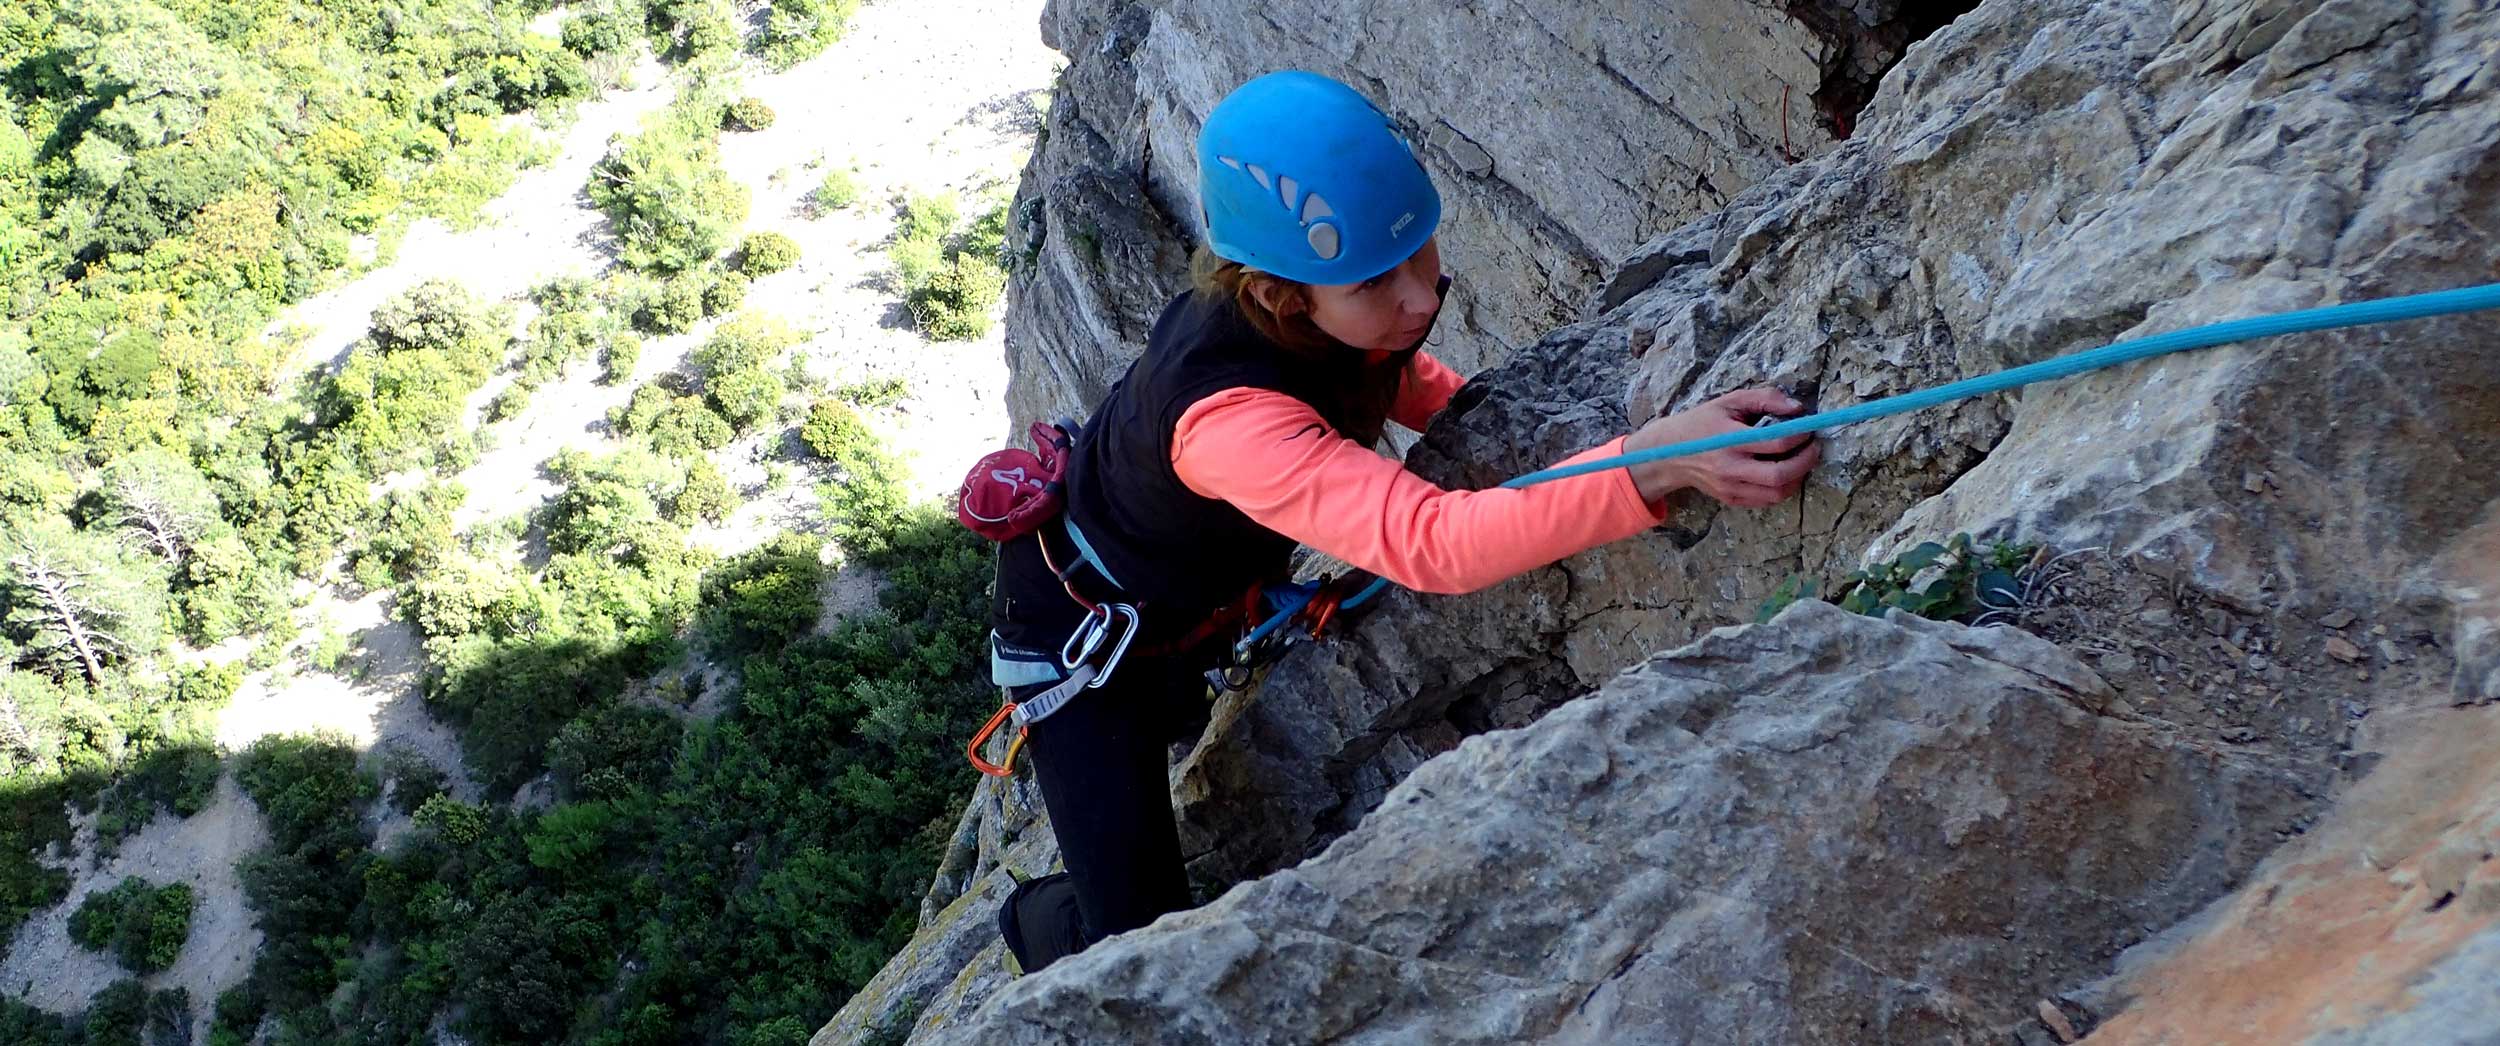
(2355, 314)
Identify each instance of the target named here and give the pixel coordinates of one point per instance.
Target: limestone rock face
(1560, 135)
(2277, 571)
(2381, 927)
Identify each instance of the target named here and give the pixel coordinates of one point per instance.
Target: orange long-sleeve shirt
(1271, 456)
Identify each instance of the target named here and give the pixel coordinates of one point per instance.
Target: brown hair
(1362, 408)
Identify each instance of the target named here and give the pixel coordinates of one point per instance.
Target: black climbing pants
(1103, 764)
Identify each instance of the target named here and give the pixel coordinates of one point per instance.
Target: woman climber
(1246, 428)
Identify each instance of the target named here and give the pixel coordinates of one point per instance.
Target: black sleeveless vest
(1162, 544)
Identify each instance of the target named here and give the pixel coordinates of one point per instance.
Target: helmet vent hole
(1260, 173)
(1285, 187)
(1324, 241)
(1314, 208)
(1230, 162)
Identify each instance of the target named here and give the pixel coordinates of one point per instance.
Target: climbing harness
(1090, 655)
(1107, 636)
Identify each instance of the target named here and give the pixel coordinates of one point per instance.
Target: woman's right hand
(1737, 476)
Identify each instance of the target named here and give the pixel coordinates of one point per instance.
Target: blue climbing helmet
(1301, 177)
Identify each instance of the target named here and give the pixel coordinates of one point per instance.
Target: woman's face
(1388, 312)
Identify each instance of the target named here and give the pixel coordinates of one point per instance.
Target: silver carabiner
(1119, 650)
(1086, 639)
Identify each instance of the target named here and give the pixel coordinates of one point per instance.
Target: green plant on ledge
(1950, 581)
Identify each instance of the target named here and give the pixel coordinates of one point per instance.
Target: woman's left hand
(1742, 476)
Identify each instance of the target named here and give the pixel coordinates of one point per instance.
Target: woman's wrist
(1657, 479)
(1654, 479)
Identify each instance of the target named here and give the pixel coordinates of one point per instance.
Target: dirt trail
(45, 968)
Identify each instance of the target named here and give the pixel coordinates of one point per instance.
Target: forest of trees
(172, 174)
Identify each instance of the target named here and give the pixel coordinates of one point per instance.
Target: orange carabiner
(981, 739)
(1327, 612)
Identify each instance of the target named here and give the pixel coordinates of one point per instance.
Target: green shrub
(688, 426)
(736, 366)
(665, 194)
(143, 925)
(328, 649)
(165, 925)
(414, 781)
(867, 497)
(764, 598)
(99, 917)
(915, 261)
(569, 835)
(837, 191)
(954, 304)
(627, 294)
(873, 393)
(949, 282)
(678, 306)
(725, 295)
(508, 404)
(765, 253)
(571, 324)
(835, 431)
(456, 822)
(797, 30)
(308, 882)
(34, 816)
(117, 1016)
(747, 341)
(171, 765)
(414, 535)
(305, 785)
(595, 32)
(746, 397)
(608, 753)
(692, 29)
(704, 497)
(929, 216)
(237, 1013)
(746, 114)
(24, 1025)
(608, 503)
(478, 164)
(987, 238)
(780, 1031)
(623, 351)
(169, 1016)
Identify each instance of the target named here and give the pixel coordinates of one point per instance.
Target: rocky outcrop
(1828, 829)
(2276, 555)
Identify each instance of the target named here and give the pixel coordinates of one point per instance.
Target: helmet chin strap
(1441, 293)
